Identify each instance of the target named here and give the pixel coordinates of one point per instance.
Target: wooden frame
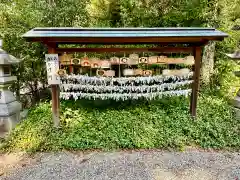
(195, 38)
(55, 92)
(99, 50)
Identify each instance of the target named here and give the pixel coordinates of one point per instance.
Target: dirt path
(141, 165)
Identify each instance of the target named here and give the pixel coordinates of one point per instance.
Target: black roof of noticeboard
(61, 34)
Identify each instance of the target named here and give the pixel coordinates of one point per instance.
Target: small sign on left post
(52, 65)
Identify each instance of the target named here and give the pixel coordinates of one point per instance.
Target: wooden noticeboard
(186, 40)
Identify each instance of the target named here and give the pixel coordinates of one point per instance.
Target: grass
(159, 124)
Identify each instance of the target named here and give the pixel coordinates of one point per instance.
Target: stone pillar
(9, 107)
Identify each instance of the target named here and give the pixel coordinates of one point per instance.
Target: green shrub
(103, 125)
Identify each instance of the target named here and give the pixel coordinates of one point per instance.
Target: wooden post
(196, 78)
(55, 93)
(71, 69)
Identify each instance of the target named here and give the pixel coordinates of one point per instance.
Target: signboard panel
(52, 65)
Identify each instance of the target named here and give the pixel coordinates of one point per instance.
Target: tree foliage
(19, 16)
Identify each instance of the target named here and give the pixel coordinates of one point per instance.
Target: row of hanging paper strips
(145, 86)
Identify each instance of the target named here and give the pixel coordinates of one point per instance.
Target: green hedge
(106, 125)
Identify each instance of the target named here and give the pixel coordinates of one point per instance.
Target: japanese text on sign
(52, 64)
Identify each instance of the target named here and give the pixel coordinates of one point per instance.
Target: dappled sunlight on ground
(10, 161)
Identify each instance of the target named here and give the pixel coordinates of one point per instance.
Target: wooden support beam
(159, 49)
(55, 93)
(196, 77)
(124, 40)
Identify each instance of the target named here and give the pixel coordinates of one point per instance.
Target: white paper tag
(52, 65)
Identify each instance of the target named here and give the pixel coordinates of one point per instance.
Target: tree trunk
(208, 63)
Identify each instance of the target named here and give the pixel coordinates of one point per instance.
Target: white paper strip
(82, 79)
(124, 96)
(121, 89)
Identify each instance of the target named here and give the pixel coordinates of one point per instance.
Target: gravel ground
(123, 165)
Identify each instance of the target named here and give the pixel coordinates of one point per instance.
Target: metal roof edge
(121, 29)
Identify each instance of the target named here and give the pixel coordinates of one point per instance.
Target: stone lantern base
(9, 116)
(9, 122)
